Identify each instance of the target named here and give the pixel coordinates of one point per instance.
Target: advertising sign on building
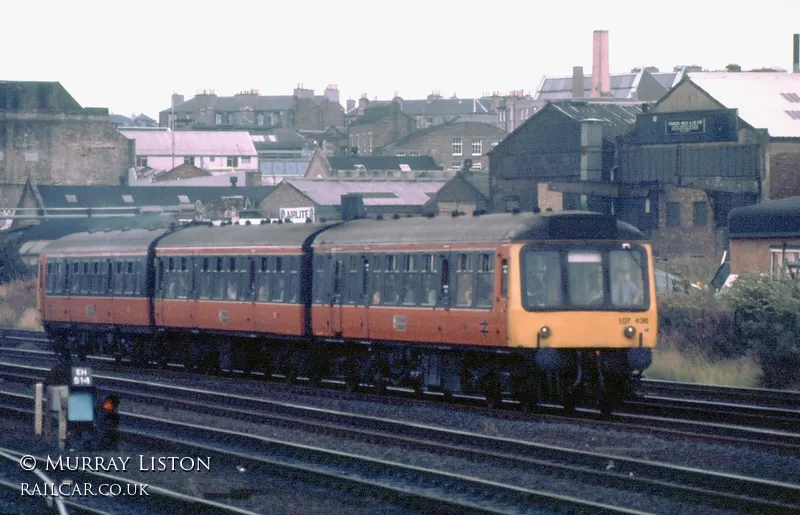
(297, 215)
(697, 126)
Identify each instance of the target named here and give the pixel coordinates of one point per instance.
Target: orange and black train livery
(537, 307)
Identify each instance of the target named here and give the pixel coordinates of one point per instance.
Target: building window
(141, 161)
(477, 165)
(700, 214)
(218, 119)
(673, 214)
(495, 142)
(232, 162)
(457, 146)
(512, 203)
(246, 160)
(400, 154)
(370, 143)
(188, 160)
(784, 264)
(260, 118)
(455, 166)
(413, 154)
(477, 147)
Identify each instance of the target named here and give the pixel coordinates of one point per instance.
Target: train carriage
(544, 306)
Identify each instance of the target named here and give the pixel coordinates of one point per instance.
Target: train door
(444, 294)
(337, 287)
(251, 293)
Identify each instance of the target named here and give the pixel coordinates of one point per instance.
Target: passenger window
(292, 284)
(375, 282)
(485, 281)
(390, 293)
(541, 279)
(411, 280)
(464, 281)
(430, 281)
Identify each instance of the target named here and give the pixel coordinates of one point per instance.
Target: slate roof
(191, 143)
(328, 192)
(617, 118)
(278, 139)
(765, 100)
(24, 96)
(478, 180)
(58, 196)
(119, 119)
(415, 163)
(260, 103)
(435, 107)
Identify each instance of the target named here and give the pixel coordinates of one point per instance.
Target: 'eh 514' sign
(676, 127)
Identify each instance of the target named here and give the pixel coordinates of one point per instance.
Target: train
(535, 307)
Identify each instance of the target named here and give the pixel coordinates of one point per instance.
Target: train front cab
(584, 314)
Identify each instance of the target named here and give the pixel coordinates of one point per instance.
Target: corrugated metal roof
(192, 143)
(58, 196)
(764, 100)
(328, 192)
(617, 118)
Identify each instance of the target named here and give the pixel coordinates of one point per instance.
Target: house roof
(234, 103)
(764, 100)
(771, 219)
(191, 143)
(617, 119)
(58, 196)
(478, 180)
(28, 96)
(328, 192)
(432, 129)
(414, 163)
(119, 119)
(434, 107)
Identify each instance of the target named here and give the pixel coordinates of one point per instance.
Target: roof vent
(515, 211)
(536, 210)
(379, 217)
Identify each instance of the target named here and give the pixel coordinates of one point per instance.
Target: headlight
(545, 332)
(630, 332)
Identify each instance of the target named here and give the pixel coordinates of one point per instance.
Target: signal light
(108, 421)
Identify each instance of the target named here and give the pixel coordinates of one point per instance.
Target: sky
(131, 56)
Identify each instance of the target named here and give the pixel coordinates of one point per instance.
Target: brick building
(303, 110)
(450, 143)
(466, 192)
(433, 110)
(45, 135)
(765, 238)
(378, 127)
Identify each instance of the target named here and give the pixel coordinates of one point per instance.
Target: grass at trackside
(671, 364)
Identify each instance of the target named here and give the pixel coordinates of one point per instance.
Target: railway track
(428, 490)
(156, 501)
(680, 483)
(724, 394)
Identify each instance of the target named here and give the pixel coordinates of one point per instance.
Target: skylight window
(794, 115)
(360, 167)
(404, 167)
(72, 199)
(183, 199)
(272, 138)
(259, 138)
(128, 199)
(791, 97)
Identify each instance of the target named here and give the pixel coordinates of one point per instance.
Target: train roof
(208, 236)
(88, 243)
(507, 227)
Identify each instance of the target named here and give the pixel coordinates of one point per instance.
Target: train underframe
(532, 377)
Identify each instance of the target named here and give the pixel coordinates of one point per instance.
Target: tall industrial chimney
(601, 76)
(577, 82)
(796, 54)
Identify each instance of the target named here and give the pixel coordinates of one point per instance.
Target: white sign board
(297, 215)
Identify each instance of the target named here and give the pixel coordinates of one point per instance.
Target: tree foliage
(11, 265)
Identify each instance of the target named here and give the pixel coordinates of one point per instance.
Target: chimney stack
(601, 76)
(351, 104)
(176, 99)
(796, 54)
(577, 82)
